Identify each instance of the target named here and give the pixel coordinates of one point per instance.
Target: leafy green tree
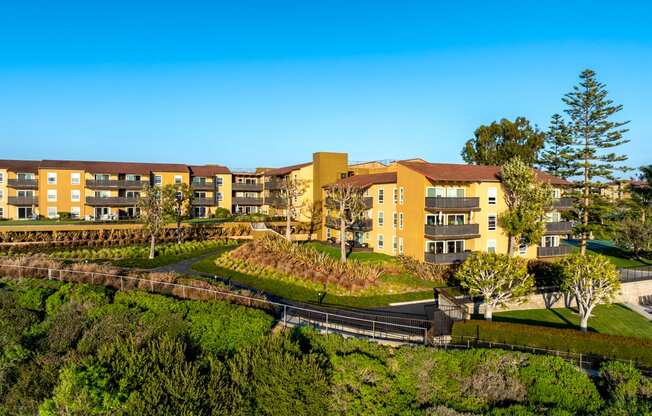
(497, 277)
(502, 141)
(642, 193)
(591, 150)
(555, 157)
(591, 279)
(527, 199)
(177, 200)
(152, 214)
(634, 236)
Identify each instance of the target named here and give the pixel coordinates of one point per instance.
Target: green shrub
(638, 350)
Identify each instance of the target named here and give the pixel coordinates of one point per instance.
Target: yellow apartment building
(440, 213)
(19, 189)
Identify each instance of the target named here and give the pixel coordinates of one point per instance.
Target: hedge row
(638, 350)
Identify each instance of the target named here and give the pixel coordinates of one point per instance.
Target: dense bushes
(636, 349)
(136, 252)
(427, 271)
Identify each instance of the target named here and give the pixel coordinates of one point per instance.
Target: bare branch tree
(349, 207)
(152, 213)
(176, 203)
(291, 190)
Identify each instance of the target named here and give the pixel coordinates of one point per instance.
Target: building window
(400, 221)
(178, 179)
(75, 195)
(52, 178)
(2, 212)
(2, 195)
(219, 196)
(492, 196)
(491, 222)
(52, 212)
(522, 247)
(75, 178)
(219, 180)
(491, 246)
(394, 244)
(381, 218)
(158, 180)
(75, 212)
(455, 219)
(401, 196)
(381, 241)
(394, 220)
(400, 245)
(381, 196)
(52, 195)
(2, 177)
(395, 192)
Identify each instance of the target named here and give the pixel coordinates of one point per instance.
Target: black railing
(115, 184)
(454, 230)
(562, 203)
(446, 258)
(204, 201)
(635, 274)
(360, 225)
(111, 201)
(245, 200)
(236, 186)
(440, 202)
(561, 227)
(22, 200)
(554, 251)
(203, 186)
(22, 183)
(274, 184)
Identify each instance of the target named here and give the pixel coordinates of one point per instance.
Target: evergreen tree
(594, 135)
(642, 193)
(500, 142)
(555, 157)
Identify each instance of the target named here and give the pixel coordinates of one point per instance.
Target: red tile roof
(469, 173)
(114, 167)
(209, 170)
(27, 166)
(365, 181)
(285, 170)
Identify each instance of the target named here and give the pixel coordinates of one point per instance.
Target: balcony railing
(360, 225)
(115, 184)
(111, 201)
(562, 203)
(204, 186)
(274, 184)
(446, 258)
(446, 203)
(255, 187)
(367, 201)
(204, 201)
(22, 200)
(22, 183)
(242, 200)
(455, 230)
(561, 227)
(554, 251)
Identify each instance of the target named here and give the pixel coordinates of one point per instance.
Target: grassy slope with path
(164, 260)
(614, 319)
(300, 293)
(617, 256)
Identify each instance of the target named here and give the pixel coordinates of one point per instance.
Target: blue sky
(249, 83)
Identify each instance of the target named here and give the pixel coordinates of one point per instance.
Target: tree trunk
(288, 218)
(584, 321)
(488, 312)
(585, 201)
(152, 246)
(179, 229)
(510, 246)
(342, 240)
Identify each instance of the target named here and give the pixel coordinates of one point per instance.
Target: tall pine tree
(555, 158)
(593, 137)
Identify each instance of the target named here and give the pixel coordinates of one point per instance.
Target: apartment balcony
(360, 225)
(562, 203)
(439, 203)
(274, 184)
(367, 201)
(561, 227)
(462, 231)
(22, 183)
(276, 202)
(115, 184)
(22, 200)
(245, 200)
(446, 258)
(204, 202)
(247, 187)
(111, 201)
(562, 250)
(204, 186)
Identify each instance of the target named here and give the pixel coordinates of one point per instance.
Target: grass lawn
(617, 256)
(334, 252)
(297, 292)
(164, 260)
(614, 319)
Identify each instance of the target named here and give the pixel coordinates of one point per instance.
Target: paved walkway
(645, 311)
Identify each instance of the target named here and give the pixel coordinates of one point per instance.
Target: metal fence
(347, 323)
(635, 274)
